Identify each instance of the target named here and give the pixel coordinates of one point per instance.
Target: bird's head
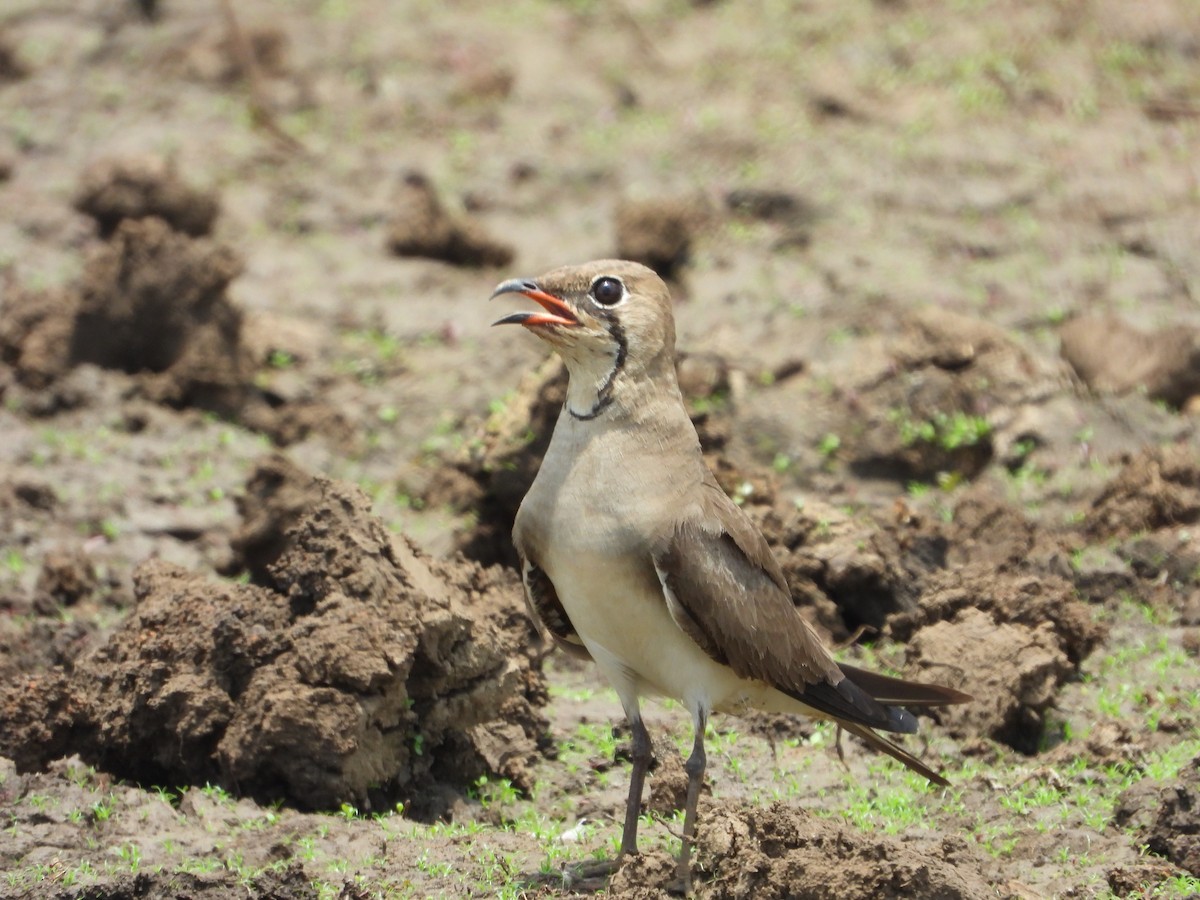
(609, 314)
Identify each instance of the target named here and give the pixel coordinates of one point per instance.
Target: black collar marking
(604, 396)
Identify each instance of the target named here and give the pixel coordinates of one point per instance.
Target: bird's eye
(607, 291)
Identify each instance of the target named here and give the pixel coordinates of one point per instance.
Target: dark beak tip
(517, 318)
(514, 286)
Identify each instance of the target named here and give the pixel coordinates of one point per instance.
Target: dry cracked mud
(936, 281)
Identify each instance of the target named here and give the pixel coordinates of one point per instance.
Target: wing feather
(725, 590)
(546, 610)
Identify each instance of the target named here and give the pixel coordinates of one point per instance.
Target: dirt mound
(269, 47)
(138, 187)
(52, 624)
(35, 334)
(494, 474)
(987, 529)
(1166, 818)
(795, 216)
(422, 226)
(1112, 357)
(847, 571)
(658, 232)
(364, 672)
(271, 884)
(1010, 640)
(1025, 600)
(778, 851)
(935, 403)
(153, 301)
(277, 495)
(12, 66)
(1157, 488)
(67, 576)
(1140, 880)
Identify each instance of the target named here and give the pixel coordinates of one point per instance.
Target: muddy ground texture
(939, 319)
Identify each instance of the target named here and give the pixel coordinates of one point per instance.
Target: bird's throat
(588, 397)
(593, 381)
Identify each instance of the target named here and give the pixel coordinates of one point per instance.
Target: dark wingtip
(896, 691)
(935, 778)
(896, 752)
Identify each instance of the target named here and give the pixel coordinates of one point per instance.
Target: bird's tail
(893, 694)
(883, 745)
(887, 690)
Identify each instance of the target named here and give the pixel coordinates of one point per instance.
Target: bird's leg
(642, 754)
(694, 767)
(585, 876)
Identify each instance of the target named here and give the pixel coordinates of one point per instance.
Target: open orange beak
(557, 312)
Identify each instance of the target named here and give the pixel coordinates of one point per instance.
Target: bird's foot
(592, 875)
(681, 886)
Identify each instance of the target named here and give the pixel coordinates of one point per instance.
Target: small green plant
(494, 792)
(39, 801)
(596, 740)
(950, 432)
(102, 810)
(431, 867)
(217, 794)
(200, 865)
(14, 561)
(714, 402)
(918, 489)
(281, 359)
(307, 848)
(131, 856)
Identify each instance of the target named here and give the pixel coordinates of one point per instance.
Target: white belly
(622, 618)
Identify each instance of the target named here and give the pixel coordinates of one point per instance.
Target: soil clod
(1112, 357)
(137, 187)
(778, 851)
(363, 671)
(422, 226)
(658, 232)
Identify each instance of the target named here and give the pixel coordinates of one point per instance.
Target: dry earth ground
(939, 308)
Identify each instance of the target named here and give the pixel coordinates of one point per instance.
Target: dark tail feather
(898, 753)
(894, 691)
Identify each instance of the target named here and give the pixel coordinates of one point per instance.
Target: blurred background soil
(937, 272)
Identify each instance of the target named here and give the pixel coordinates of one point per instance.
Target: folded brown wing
(725, 591)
